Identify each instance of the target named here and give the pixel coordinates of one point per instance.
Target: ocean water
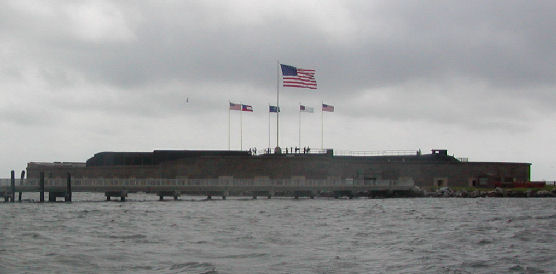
(281, 235)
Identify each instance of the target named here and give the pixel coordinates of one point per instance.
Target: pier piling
(41, 186)
(67, 197)
(21, 182)
(13, 187)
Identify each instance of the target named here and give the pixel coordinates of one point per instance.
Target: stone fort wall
(425, 171)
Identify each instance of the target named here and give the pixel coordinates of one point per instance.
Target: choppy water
(281, 235)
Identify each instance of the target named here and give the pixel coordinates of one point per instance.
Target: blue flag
(273, 109)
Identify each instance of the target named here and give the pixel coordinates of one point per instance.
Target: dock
(223, 187)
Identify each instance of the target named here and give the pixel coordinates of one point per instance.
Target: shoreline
(445, 192)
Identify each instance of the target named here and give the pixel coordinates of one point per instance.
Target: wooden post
(13, 187)
(41, 186)
(21, 182)
(68, 189)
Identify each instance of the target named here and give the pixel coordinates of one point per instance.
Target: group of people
(298, 150)
(278, 150)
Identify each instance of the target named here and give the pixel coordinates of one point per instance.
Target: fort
(435, 169)
(302, 173)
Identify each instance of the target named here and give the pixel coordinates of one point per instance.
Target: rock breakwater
(496, 192)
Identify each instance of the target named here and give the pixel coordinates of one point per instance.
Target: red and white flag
(303, 108)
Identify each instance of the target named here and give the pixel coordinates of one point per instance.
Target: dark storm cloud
(506, 44)
(357, 47)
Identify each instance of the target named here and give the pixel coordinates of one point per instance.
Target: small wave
(525, 269)
(243, 256)
(523, 235)
(362, 234)
(553, 216)
(484, 242)
(34, 235)
(194, 266)
(128, 237)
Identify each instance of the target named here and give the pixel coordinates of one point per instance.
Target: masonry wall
(424, 173)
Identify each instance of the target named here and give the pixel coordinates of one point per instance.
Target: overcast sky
(475, 77)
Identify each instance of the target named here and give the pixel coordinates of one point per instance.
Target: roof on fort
(57, 164)
(157, 157)
(154, 158)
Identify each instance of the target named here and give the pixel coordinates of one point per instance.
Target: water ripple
(281, 235)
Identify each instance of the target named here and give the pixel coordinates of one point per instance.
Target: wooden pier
(222, 186)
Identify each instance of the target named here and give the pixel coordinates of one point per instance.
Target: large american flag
(298, 77)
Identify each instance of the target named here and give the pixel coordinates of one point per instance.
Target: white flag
(303, 108)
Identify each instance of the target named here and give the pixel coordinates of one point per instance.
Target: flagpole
(299, 141)
(321, 125)
(278, 103)
(269, 125)
(229, 102)
(241, 127)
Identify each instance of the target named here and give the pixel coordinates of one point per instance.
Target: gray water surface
(281, 235)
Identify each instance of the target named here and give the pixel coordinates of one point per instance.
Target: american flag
(328, 108)
(298, 77)
(235, 106)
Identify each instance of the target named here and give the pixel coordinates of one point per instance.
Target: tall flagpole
(269, 126)
(321, 125)
(299, 141)
(229, 124)
(241, 127)
(278, 103)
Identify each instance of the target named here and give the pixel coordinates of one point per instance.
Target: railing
(377, 153)
(227, 182)
(289, 150)
(308, 150)
(8, 182)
